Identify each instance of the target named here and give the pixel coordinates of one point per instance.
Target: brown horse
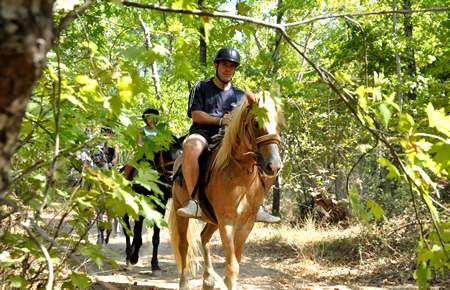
(235, 190)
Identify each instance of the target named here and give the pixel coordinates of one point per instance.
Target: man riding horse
(208, 101)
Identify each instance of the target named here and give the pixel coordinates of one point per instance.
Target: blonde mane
(242, 116)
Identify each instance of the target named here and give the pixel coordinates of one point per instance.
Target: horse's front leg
(208, 279)
(231, 263)
(137, 240)
(128, 249)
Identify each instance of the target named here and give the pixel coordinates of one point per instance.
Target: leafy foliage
(337, 113)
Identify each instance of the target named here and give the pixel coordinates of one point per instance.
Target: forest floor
(283, 257)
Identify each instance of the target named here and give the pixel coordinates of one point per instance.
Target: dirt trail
(252, 274)
(257, 271)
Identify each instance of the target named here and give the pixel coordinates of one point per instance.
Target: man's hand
(226, 119)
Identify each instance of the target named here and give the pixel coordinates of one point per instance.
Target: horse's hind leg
(156, 270)
(208, 278)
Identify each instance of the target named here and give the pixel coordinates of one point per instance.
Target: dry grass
(334, 254)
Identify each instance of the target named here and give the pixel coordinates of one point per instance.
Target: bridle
(161, 166)
(256, 143)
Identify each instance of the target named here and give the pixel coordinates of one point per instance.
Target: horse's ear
(251, 98)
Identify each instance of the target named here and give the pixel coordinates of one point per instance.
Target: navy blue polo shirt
(207, 97)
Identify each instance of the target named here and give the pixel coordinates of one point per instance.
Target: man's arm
(201, 117)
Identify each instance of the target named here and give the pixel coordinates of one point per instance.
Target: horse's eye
(256, 124)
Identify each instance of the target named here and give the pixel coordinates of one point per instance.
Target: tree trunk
(279, 38)
(26, 35)
(276, 197)
(410, 58)
(202, 40)
(154, 65)
(397, 57)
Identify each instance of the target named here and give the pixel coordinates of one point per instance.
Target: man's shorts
(206, 133)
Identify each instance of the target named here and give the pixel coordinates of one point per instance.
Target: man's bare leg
(193, 148)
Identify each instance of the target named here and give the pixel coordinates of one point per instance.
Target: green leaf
(393, 172)
(375, 209)
(354, 199)
(386, 113)
(80, 280)
(366, 216)
(441, 152)
(343, 77)
(390, 100)
(438, 119)
(7, 261)
(18, 281)
(261, 113)
(243, 8)
(422, 274)
(405, 122)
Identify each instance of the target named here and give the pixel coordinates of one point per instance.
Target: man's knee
(195, 144)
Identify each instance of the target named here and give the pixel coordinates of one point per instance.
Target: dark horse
(162, 162)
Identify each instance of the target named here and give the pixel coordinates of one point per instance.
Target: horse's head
(245, 134)
(266, 139)
(165, 159)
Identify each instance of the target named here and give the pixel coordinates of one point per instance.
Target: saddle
(205, 161)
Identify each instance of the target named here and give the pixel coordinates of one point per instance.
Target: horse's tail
(192, 238)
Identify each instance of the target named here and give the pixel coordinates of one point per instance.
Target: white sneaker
(192, 210)
(263, 216)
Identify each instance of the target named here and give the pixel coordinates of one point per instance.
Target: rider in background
(112, 156)
(208, 101)
(112, 152)
(148, 131)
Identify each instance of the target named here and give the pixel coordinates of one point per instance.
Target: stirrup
(192, 210)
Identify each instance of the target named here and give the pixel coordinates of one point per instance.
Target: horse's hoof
(157, 273)
(208, 283)
(129, 266)
(134, 258)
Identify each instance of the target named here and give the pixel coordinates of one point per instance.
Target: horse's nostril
(272, 168)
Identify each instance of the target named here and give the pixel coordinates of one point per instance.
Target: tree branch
(71, 16)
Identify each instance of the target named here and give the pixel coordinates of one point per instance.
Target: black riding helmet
(229, 54)
(106, 128)
(149, 110)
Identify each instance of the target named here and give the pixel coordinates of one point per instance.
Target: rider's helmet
(229, 54)
(106, 128)
(149, 110)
